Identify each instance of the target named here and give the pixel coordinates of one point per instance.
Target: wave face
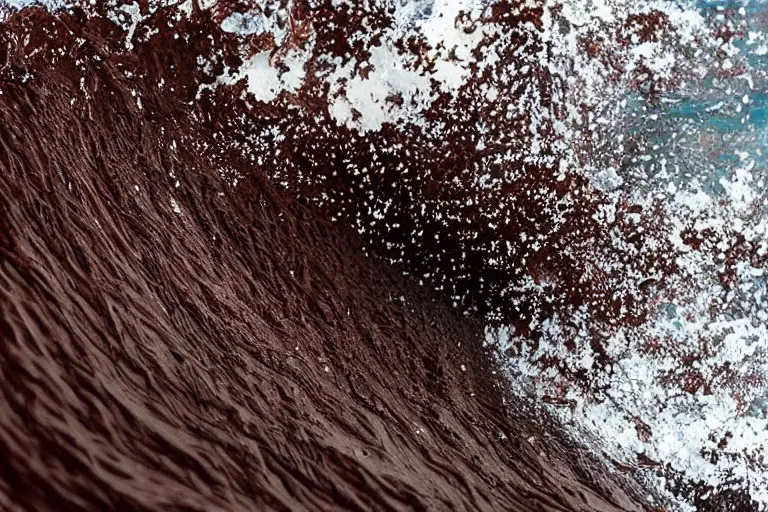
(171, 341)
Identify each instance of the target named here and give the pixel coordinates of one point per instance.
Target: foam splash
(684, 390)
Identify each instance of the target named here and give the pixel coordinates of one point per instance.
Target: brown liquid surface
(240, 355)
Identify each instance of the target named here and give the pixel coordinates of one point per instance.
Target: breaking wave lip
(608, 91)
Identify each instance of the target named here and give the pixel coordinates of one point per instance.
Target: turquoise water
(703, 131)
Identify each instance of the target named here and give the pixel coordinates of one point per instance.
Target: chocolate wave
(171, 342)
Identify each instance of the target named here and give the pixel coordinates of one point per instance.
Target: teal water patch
(724, 114)
(705, 131)
(670, 311)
